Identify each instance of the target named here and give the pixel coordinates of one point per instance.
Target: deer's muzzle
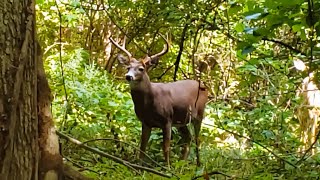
(129, 78)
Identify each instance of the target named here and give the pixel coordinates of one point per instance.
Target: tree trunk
(25, 134)
(18, 88)
(50, 164)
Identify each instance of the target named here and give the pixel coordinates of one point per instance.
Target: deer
(164, 105)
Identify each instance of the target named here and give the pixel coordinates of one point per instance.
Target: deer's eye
(141, 69)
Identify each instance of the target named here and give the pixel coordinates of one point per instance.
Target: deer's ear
(151, 61)
(154, 61)
(122, 59)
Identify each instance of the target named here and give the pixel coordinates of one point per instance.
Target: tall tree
(29, 146)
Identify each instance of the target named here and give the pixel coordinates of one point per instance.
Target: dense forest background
(259, 59)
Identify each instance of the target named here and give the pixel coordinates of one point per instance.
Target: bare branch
(183, 37)
(116, 159)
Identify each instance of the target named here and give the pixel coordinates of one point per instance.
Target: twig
(61, 64)
(285, 45)
(116, 159)
(165, 72)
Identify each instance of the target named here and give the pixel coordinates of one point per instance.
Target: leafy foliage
(242, 50)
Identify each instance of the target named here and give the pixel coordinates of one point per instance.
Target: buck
(163, 105)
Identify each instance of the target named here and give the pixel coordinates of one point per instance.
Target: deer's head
(137, 68)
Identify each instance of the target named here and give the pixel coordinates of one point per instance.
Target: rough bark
(18, 90)
(24, 91)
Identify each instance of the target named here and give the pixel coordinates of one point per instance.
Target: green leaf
(303, 35)
(247, 50)
(39, 2)
(261, 32)
(268, 134)
(287, 3)
(234, 9)
(270, 4)
(239, 27)
(253, 61)
(112, 104)
(297, 27)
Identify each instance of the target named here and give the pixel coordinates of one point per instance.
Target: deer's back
(181, 98)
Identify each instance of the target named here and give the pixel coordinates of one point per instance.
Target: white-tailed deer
(163, 105)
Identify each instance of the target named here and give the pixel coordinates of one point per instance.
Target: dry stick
(261, 145)
(116, 159)
(117, 140)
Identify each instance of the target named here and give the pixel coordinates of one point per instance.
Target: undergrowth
(97, 108)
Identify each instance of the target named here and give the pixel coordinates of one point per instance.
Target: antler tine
(121, 48)
(164, 50)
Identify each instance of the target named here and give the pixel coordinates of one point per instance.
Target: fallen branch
(138, 149)
(116, 159)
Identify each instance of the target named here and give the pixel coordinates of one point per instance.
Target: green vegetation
(243, 50)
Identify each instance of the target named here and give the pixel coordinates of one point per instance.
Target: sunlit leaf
(253, 16)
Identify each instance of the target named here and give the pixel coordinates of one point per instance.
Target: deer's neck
(141, 92)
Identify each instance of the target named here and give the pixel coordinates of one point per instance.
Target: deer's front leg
(146, 131)
(166, 142)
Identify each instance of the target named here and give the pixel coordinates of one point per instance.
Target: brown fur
(163, 105)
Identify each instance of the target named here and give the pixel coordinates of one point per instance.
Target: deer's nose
(129, 78)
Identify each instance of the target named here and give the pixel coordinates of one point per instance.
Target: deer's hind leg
(197, 127)
(166, 142)
(184, 141)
